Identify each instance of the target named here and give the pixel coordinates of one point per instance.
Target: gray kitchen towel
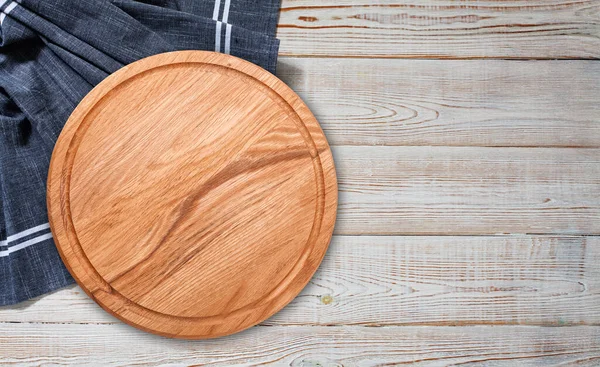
(239, 12)
(52, 53)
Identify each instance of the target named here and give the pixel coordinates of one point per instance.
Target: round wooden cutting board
(192, 194)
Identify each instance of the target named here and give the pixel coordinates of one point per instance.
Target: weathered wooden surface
(423, 280)
(441, 28)
(450, 102)
(492, 164)
(115, 345)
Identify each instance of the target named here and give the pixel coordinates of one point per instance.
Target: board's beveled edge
(93, 284)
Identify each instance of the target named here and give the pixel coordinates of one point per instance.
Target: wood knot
(326, 299)
(308, 19)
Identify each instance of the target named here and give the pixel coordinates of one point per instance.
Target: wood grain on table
(469, 215)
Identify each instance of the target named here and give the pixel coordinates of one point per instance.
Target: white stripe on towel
(25, 244)
(226, 11)
(7, 10)
(24, 233)
(10, 7)
(216, 10)
(228, 39)
(27, 232)
(218, 37)
(218, 26)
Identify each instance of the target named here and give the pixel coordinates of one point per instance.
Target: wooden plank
(550, 281)
(112, 345)
(441, 28)
(525, 280)
(452, 102)
(465, 191)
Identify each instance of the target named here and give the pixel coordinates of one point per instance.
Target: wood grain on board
(424, 280)
(441, 28)
(450, 102)
(304, 346)
(192, 194)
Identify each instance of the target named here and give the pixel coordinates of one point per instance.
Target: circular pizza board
(192, 194)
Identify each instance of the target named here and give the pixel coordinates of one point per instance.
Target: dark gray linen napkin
(52, 53)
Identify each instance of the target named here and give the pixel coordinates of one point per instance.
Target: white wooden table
(466, 136)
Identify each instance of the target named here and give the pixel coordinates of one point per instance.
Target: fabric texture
(52, 53)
